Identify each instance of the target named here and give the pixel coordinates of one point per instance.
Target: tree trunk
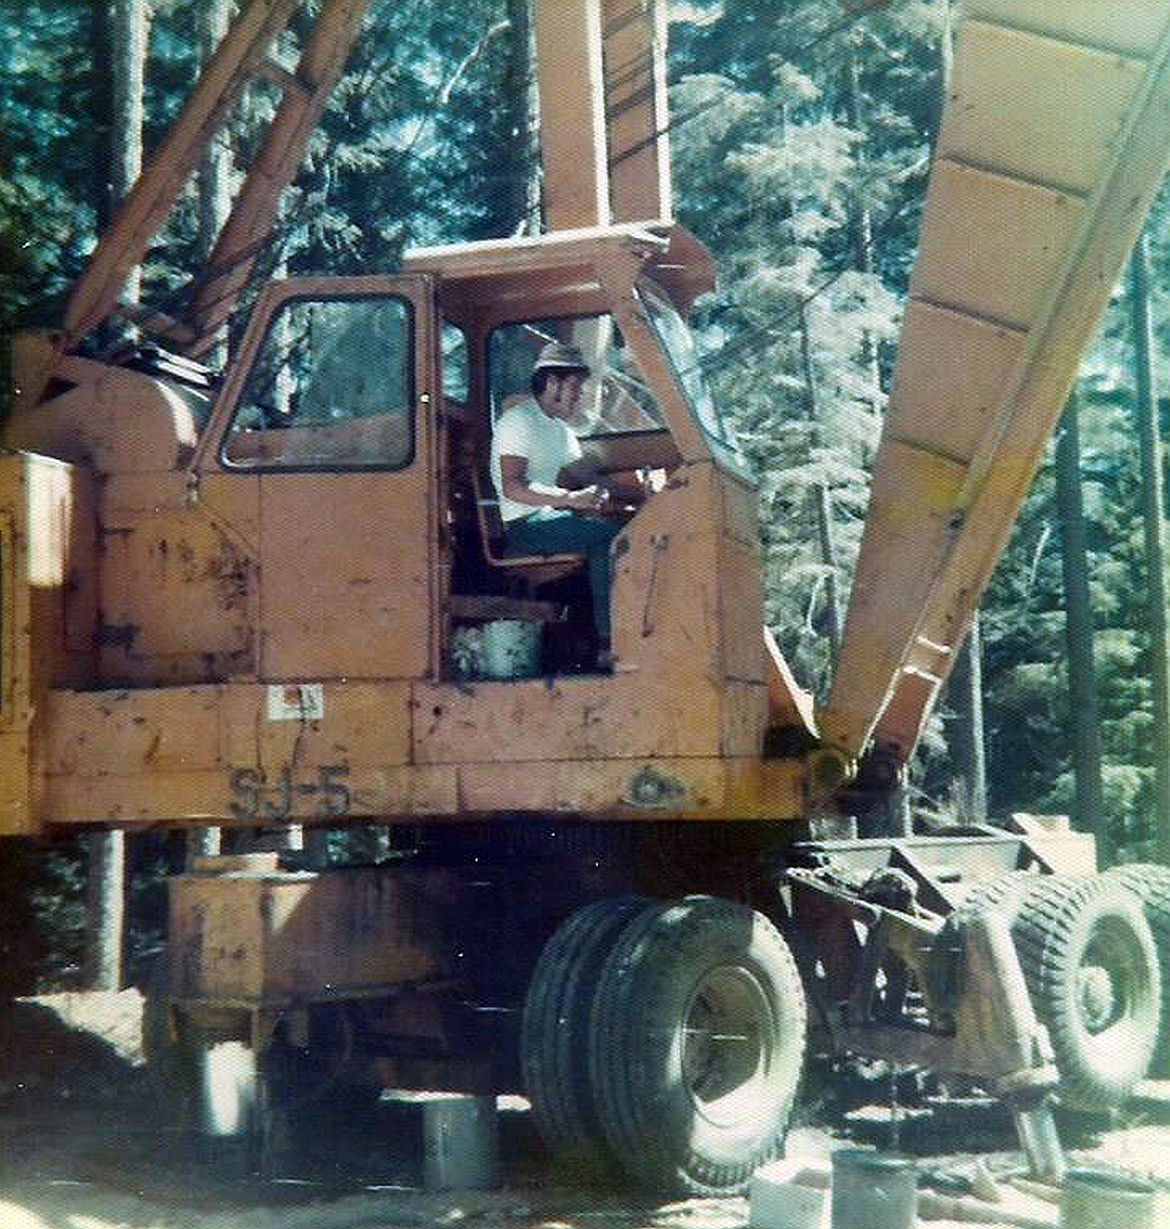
(105, 936)
(822, 495)
(105, 910)
(216, 163)
(1089, 809)
(1155, 536)
(130, 24)
(861, 226)
(522, 111)
(100, 187)
(965, 737)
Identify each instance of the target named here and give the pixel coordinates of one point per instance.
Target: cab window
(615, 400)
(678, 345)
(332, 388)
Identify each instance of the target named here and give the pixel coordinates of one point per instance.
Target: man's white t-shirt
(548, 444)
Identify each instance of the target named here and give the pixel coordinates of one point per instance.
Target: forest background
(800, 141)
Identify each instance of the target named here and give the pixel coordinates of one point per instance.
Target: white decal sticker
(296, 702)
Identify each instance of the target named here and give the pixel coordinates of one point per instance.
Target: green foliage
(782, 165)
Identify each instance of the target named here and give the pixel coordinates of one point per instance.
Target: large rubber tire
(698, 1038)
(1091, 967)
(554, 1035)
(1150, 882)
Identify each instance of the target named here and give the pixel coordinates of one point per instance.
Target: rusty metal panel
(81, 589)
(236, 753)
(384, 795)
(58, 532)
(44, 550)
(745, 717)
(765, 789)
(665, 601)
(51, 524)
(117, 733)
(13, 610)
(360, 724)
(1068, 105)
(135, 799)
(179, 583)
(601, 788)
(630, 715)
(350, 581)
(287, 935)
(741, 511)
(112, 419)
(346, 585)
(15, 799)
(990, 246)
(741, 612)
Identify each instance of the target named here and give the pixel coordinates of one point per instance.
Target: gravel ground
(85, 1143)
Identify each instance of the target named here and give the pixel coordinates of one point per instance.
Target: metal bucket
(461, 1143)
(873, 1190)
(1106, 1199)
(227, 1074)
(511, 649)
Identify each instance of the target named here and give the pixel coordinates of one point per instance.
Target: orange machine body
(255, 623)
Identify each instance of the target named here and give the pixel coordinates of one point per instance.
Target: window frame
(724, 447)
(307, 292)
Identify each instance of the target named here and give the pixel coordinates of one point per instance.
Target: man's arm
(515, 486)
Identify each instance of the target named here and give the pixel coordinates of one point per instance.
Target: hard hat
(561, 355)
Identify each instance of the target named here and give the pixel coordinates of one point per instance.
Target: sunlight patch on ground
(114, 1016)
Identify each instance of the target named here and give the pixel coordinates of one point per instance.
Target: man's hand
(588, 499)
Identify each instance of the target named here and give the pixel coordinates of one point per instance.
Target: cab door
(325, 434)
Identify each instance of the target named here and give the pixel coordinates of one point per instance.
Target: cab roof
(546, 271)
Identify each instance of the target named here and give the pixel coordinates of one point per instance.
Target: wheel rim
(1110, 982)
(727, 1050)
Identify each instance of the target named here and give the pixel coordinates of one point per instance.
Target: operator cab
(643, 413)
(342, 485)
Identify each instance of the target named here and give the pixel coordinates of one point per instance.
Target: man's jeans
(566, 532)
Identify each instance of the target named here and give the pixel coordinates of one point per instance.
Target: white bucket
(461, 1143)
(1101, 1199)
(511, 649)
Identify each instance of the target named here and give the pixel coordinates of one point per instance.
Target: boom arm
(252, 215)
(1053, 145)
(603, 117)
(603, 59)
(242, 54)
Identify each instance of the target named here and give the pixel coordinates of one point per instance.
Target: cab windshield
(678, 344)
(616, 400)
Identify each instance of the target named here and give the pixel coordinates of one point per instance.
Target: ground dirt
(87, 1142)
